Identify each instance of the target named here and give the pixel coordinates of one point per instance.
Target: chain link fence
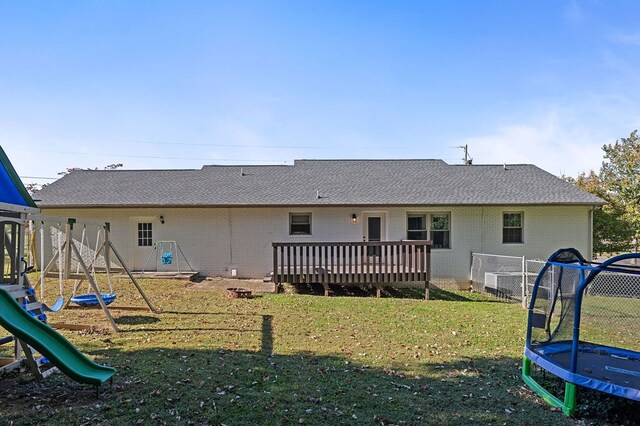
(611, 310)
(533, 268)
(506, 277)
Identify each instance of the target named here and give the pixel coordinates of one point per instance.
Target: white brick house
(226, 217)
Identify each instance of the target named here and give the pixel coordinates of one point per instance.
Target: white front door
(144, 230)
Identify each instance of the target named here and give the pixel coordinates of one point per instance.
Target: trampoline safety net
(584, 322)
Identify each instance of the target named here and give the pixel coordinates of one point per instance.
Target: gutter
(590, 243)
(295, 205)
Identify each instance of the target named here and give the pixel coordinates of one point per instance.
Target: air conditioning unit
(504, 282)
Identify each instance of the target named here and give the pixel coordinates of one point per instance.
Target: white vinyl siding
(219, 239)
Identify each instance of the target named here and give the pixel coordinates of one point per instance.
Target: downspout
(482, 231)
(591, 232)
(230, 222)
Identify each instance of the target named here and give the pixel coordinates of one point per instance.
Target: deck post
(428, 269)
(276, 279)
(326, 288)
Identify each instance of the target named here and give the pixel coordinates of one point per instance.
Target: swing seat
(56, 306)
(92, 299)
(167, 258)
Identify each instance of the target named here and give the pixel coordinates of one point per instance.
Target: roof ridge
(371, 159)
(134, 170)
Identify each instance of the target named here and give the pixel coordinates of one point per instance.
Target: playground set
(35, 342)
(575, 306)
(74, 259)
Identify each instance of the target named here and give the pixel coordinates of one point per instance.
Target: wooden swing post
(94, 286)
(109, 246)
(67, 247)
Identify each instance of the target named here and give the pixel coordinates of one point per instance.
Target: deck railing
(352, 263)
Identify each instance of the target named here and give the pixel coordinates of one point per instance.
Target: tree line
(616, 225)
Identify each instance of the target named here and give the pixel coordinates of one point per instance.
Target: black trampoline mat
(602, 365)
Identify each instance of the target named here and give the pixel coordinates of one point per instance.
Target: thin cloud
(546, 144)
(627, 39)
(573, 12)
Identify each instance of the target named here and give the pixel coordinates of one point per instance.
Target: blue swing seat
(167, 258)
(56, 306)
(92, 299)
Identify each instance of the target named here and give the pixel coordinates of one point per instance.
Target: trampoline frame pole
(568, 406)
(570, 398)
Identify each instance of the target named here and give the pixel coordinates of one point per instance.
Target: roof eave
(210, 205)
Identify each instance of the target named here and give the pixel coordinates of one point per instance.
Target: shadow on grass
(267, 338)
(216, 385)
(208, 313)
(392, 292)
(136, 320)
(354, 291)
(194, 329)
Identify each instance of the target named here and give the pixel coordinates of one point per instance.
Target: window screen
(300, 223)
(512, 228)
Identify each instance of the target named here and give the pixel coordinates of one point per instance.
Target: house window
(439, 230)
(299, 223)
(145, 235)
(417, 227)
(512, 228)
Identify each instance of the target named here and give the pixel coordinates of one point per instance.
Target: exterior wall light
(354, 218)
(162, 219)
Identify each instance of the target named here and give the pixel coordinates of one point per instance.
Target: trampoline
(584, 326)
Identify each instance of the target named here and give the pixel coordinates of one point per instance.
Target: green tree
(620, 173)
(107, 167)
(616, 226)
(611, 232)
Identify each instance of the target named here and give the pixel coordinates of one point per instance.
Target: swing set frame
(162, 248)
(70, 249)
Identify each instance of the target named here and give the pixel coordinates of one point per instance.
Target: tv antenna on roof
(467, 161)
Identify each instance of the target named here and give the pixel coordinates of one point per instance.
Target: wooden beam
(112, 308)
(29, 360)
(75, 327)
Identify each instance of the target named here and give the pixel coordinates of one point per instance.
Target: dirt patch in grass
(222, 284)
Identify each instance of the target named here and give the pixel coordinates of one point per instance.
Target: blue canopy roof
(12, 190)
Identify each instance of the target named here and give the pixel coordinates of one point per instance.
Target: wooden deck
(385, 263)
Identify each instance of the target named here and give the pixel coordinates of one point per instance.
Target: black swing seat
(92, 299)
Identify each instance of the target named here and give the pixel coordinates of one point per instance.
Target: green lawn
(292, 359)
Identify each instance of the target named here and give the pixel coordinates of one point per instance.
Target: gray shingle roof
(338, 182)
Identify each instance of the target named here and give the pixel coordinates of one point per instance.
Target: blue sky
(180, 84)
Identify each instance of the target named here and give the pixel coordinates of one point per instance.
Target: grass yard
(295, 359)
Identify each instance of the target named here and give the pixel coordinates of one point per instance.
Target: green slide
(50, 343)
